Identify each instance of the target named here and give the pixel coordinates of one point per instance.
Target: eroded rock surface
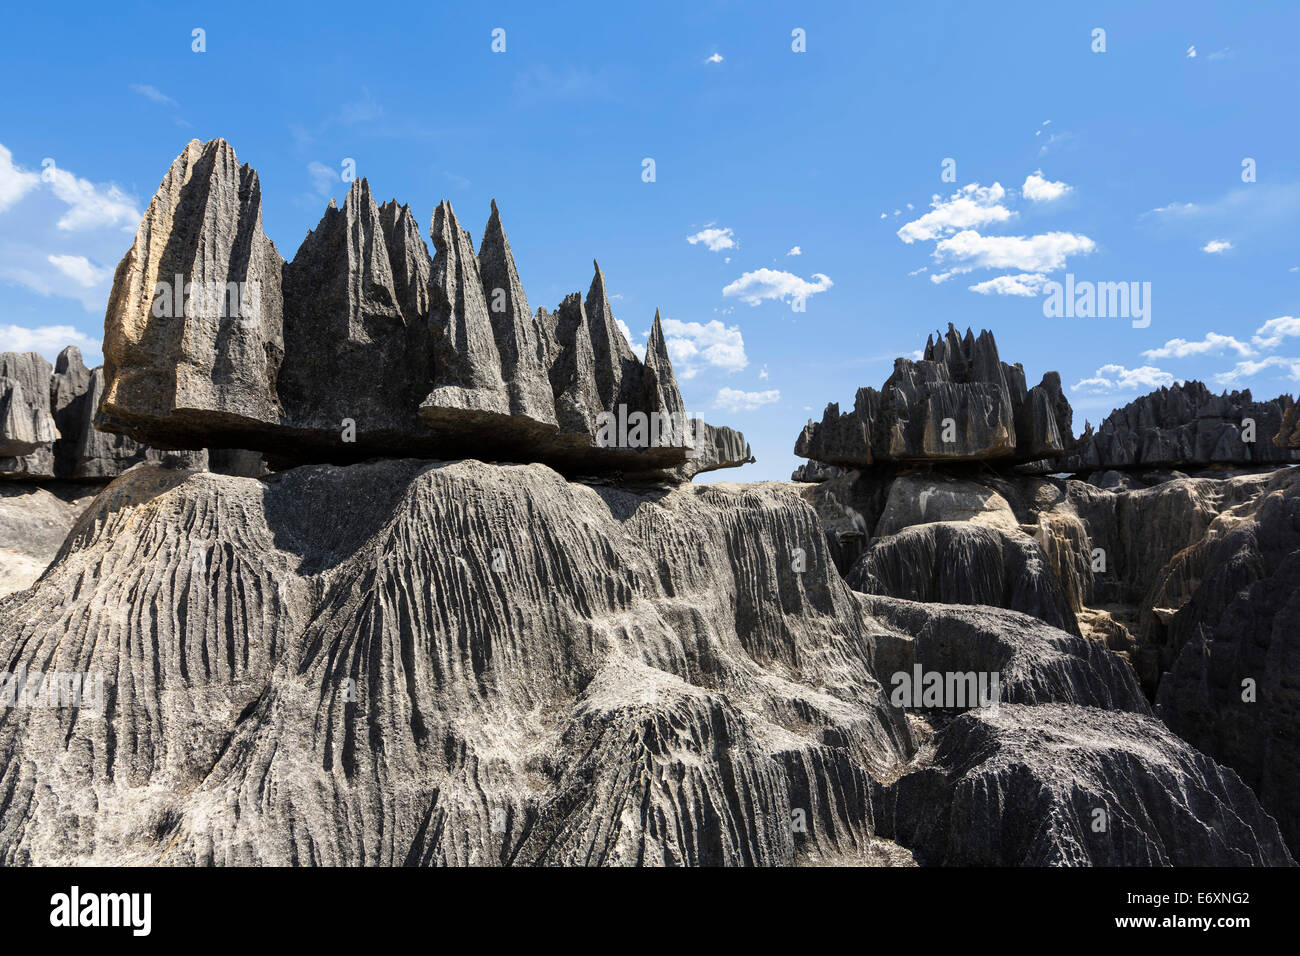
(958, 403)
(366, 346)
(444, 663)
(1183, 426)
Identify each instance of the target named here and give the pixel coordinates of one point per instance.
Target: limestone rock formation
(955, 562)
(193, 335)
(342, 291)
(1288, 433)
(404, 662)
(1186, 426)
(959, 403)
(27, 428)
(364, 346)
(1024, 786)
(1231, 689)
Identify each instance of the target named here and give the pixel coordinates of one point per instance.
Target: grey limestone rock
(960, 402)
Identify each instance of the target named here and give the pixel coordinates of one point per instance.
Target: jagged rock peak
(1186, 425)
(616, 366)
(524, 343)
(959, 402)
(364, 344)
(180, 350)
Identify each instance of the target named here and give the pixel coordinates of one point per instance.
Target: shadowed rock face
(1022, 786)
(27, 429)
(1237, 636)
(959, 403)
(950, 562)
(364, 346)
(1186, 426)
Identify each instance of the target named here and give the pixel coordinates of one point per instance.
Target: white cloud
(48, 340)
(715, 240)
(754, 287)
(762, 373)
(1248, 368)
(1116, 378)
(1025, 284)
(693, 346)
(323, 178)
(1046, 252)
(79, 269)
(155, 94)
(1216, 245)
(92, 207)
(796, 251)
(1271, 333)
(1212, 344)
(734, 400)
(715, 58)
(1038, 189)
(15, 182)
(627, 333)
(972, 205)
(1191, 52)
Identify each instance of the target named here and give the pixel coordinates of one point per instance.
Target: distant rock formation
(960, 402)
(73, 449)
(1288, 435)
(365, 346)
(27, 428)
(1187, 426)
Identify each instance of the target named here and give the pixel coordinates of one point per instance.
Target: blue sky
(1123, 165)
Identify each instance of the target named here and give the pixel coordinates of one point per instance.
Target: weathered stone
(370, 348)
(1185, 426)
(26, 422)
(193, 335)
(953, 562)
(1064, 785)
(404, 663)
(352, 352)
(523, 341)
(959, 403)
(1231, 689)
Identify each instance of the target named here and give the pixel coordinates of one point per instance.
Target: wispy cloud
(1038, 189)
(15, 182)
(1212, 344)
(1117, 378)
(155, 94)
(972, 205)
(1216, 246)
